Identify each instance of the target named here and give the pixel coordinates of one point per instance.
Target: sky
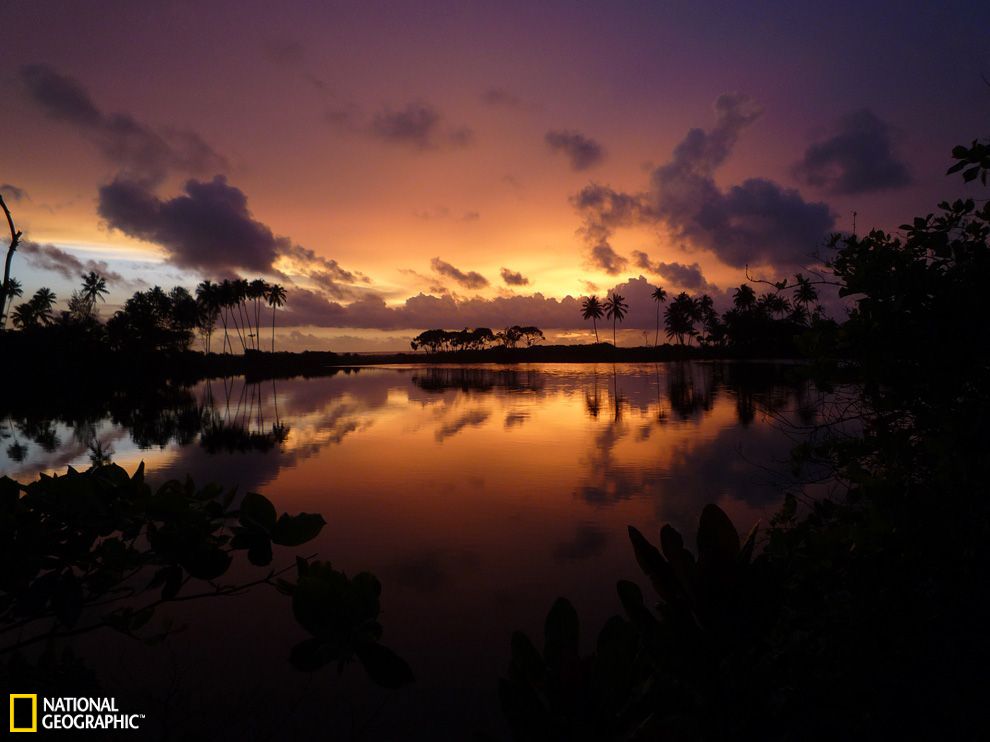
(400, 166)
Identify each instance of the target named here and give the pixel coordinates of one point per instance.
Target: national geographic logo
(64, 713)
(23, 712)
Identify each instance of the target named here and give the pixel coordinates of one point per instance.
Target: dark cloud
(757, 221)
(143, 153)
(422, 311)
(582, 151)
(210, 228)
(683, 276)
(12, 192)
(605, 210)
(469, 280)
(50, 258)
(501, 97)
(418, 125)
(858, 158)
(607, 259)
(514, 278)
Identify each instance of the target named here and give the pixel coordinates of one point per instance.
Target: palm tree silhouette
(659, 296)
(744, 297)
(591, 309)
(276, 298)
(36, 311)
(208, 298)
(94, 287)
(14, 290)
(256, 291)
(615, 309)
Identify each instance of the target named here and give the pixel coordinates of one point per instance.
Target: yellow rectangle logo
(20, 700)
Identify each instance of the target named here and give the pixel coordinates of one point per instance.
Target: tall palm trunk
(594, 323)
(273, 329)
(656, 340)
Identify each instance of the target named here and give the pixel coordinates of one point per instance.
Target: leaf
(657, 568)
(257, 510)
(671, 542)
(527, 663)
(384, 666)
(67, 600)
(561, 633)
(746, 552)
(971, 174)
(718, 539)
(310, 655)
(206, 562)
(293, 530)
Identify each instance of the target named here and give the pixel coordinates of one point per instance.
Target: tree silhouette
(681, 316)
(208, 299)
(15, 238)
(591, 309)
(14, 290)
(276, 298)
(744, 297)
(615, 309)
(659, 296)
(256, 291)
(94, 288)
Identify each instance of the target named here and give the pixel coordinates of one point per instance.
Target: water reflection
(477, 494)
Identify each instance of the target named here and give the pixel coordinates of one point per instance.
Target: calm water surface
(476, 495)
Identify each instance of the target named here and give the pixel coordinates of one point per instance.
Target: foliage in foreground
(863, 618)
(101, 549)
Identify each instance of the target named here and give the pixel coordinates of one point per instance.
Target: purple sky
(399, 166)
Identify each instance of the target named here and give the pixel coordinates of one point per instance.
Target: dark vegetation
(858, 617)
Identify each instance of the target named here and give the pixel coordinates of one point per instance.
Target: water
(477, 495)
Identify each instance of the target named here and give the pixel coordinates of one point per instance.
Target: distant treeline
(151, 321)
(479, 338)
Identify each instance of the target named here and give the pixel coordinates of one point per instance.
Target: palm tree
(276, 298)
(681, 316)
(744, 297)
(41, 303)
(208, 298)
(94, 287)
(14, 290)
(591, 309)
(256, 291)
(659, 296)
(615, 309)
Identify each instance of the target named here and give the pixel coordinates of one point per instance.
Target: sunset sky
(412, 165)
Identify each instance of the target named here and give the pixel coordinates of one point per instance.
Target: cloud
(469, 280)
(422, 311)
(582, 151)
(496, 96)
(50, 258)
(417, 125)
(679, 274)
(143, 153)
(858, 158)
(756, 222)
(12, 192)
(605, 210)
(210, 228)
(514, 278)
